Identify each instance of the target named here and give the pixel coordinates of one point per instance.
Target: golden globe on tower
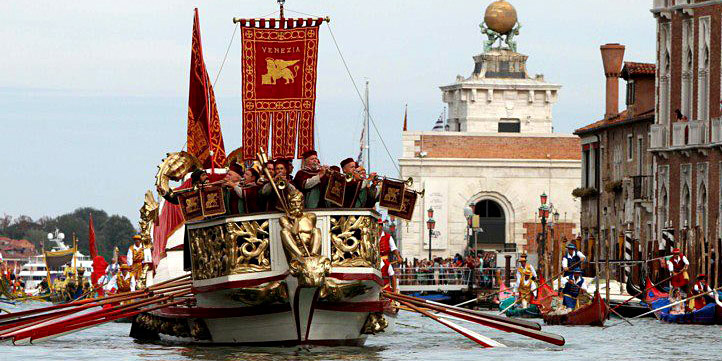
(500, 16)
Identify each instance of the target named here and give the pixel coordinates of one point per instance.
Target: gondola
(710, 314)
(593, 314)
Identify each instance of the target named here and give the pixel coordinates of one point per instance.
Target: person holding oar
(526, 287)
(571, 258)
(573, 288)
(677, 266)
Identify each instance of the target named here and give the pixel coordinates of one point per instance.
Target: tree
(117, 231)
(110, 231)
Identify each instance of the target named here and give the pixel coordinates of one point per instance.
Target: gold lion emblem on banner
(279, 69)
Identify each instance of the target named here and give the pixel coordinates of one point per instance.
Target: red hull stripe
(357, 277)
(238, 284)
(370, 306)
(211, 312)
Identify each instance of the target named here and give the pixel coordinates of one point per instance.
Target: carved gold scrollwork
(232, 248)
(375, 323)
(250, 242)
(271, 292)
(353, 241)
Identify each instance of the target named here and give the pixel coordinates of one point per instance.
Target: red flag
(205, 140)
(91, 238)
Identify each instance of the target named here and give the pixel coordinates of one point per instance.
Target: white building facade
(498, 155)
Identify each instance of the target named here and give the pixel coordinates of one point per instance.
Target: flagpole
(368, 129)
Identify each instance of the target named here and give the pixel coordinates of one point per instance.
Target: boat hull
(593, 314)
(265, 303)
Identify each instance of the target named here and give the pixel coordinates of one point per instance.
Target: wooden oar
(481, 340)
(161, 285)
(40, 320)
(466, 302)
(473, 313)
(497, 324)
(67, 324)
(109, 318)
(50, 312)
(640, 293)
(620, 316)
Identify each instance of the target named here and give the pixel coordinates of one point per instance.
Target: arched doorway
(492, 222)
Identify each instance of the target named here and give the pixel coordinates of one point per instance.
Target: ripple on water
(415, 339)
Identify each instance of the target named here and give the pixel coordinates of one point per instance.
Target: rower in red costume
(387, 246)
(700, 287)
(677, 266)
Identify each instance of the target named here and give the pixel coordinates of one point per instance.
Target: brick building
(15, 252)
(687, 133)
(616, 189)
(494, 157)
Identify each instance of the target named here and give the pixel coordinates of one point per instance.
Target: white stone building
(499, 154)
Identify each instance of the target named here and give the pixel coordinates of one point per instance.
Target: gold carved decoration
(148, 216)
(375, 323)
(174, 167)
(251, 252)
(231, 248)
(353, 241)
(268, 293)
(302, 244)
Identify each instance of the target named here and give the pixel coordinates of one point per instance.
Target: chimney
(612, 56)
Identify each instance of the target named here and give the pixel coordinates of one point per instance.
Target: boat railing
(412, 279)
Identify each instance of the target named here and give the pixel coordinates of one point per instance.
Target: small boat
(704, 316)
(710, 314)
(593, 314)
(532, 311)
(506, 299)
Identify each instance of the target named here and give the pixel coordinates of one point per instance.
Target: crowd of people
(249, 190)
(477, 268)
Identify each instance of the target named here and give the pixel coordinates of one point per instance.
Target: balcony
(680, 134)
(697, 132)
(642, 187)
(658, 133)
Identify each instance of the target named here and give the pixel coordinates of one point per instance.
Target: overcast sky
(94, 93)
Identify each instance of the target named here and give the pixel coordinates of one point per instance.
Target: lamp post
(554, 250)
(543, 214)
(468, 213)
(430, 224)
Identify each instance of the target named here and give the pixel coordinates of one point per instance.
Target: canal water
(414, 339)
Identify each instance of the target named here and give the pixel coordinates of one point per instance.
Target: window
(630, 92)
(640, 156)
(630, 148)
(509, 126)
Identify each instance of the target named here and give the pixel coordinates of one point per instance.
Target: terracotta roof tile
(634, 68)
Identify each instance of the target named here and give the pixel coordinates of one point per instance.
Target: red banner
(279, 85)
(204, 125)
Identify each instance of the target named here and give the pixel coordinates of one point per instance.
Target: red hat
(701, 276)
(675, 250)
(346, 161)
(308, 153)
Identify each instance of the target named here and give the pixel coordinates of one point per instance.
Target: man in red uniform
(677, 266)
(700, 287)
(387, 246)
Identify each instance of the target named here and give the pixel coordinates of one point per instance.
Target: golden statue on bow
(302, 244)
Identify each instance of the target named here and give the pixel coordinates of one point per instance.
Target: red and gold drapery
(279, 59)
(205, 140)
